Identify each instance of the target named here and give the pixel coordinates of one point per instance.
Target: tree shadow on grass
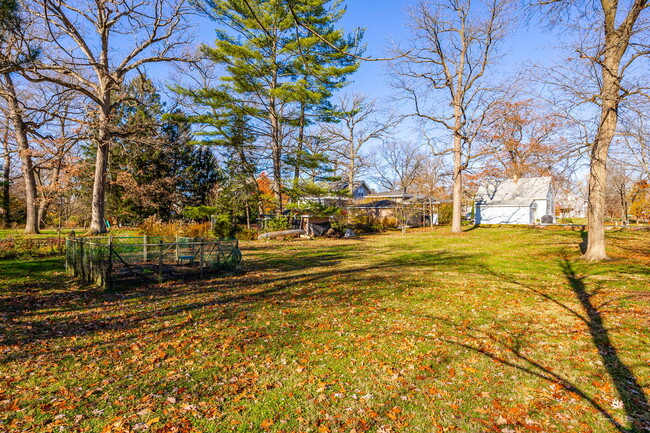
(86, 310)
(630, 391)
(584, 235)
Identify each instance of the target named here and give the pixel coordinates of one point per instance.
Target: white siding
(503, 214)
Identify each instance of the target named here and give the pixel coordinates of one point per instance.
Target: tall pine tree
(277, 73)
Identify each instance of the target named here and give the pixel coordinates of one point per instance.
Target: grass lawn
(502, 330)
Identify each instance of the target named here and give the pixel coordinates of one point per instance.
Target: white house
(515, 201)
(571, 205)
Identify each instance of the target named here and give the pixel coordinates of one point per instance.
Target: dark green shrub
(277, 224)
(223, 226)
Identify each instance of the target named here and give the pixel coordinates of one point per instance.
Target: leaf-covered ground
(502, 330)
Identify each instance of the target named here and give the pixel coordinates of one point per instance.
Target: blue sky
(384, 21)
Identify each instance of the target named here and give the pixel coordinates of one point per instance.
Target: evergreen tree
(155, 169)
(277, 72)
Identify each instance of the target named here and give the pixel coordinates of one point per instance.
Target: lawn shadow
(84, 310)
(632, 395)
(630, 391)
(584, 235)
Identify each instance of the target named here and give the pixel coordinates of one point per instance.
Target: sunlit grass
(426, 331)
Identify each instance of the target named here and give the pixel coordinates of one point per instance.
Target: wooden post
(83, 259)
(145, 240)
(67, 256)
(108, 281)
(176, 248)
(201, 258)
(160, 261)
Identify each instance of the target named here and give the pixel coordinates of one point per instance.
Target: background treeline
(259, 119)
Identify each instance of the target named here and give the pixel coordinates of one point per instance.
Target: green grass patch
(498, 329)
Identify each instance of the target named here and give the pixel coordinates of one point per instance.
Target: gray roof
(343, 185)
(381, 204)
(513, 192)
(397, 193)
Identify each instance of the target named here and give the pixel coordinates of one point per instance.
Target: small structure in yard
(114, 261)
(413, 210)
(515, 201)
(315, 226)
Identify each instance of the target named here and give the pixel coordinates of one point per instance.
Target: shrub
(199, 213)
(223, 226)
(246, 234)
(155, 227)
(277, 223)
(445, 213)
(24, 248)
(198, 230)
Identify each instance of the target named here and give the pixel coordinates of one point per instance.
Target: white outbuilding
(515, 201)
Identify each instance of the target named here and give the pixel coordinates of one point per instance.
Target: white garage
(515, 201)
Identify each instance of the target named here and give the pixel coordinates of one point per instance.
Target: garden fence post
(176, 248)
(67, 256)
(201, 257)
(160, 261)
(108, 280)
(83, 259)
(144, 249)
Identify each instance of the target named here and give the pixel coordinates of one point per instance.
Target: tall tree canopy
(277, 73)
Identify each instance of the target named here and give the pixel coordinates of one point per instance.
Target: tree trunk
(457, 178)
(624, 207)
(276, 145)
(301, 144)
(6, 173)
(610, 97)
(43, 205)
(15, 113)
(97, 222)
(351, 174)
(47, 198)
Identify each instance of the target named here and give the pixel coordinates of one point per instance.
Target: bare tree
(612, 39)
(91, 46)
(634, 143)
(398, 164)
(359, 125)
(16, 52)
(56, 165)
(453, 44)
(5, 183)
(619, 186)
(20, 127)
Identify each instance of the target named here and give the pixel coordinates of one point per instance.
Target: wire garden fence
(116, 261)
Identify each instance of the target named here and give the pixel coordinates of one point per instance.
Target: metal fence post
(160, 261)
(108, 280)
(83, 260)
(201, 257)
(67, 256)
